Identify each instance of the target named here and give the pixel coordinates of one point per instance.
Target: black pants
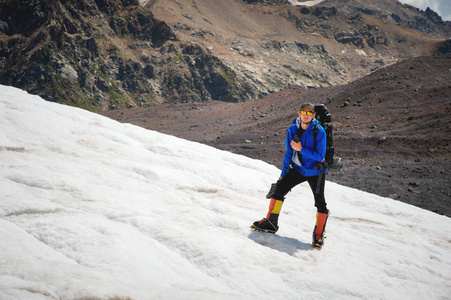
(293, 178)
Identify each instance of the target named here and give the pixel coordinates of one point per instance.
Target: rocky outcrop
(444, 48)
(65, 51)
(428, 21)
(321, 12)
(366, 36)
(196, 75)
(104, 55)
(267, 2)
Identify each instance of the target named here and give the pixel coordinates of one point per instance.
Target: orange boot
(320, 229)
(269, 224)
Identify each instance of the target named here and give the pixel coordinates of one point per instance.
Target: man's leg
(320, 200)
(322, 211)
(290, 180)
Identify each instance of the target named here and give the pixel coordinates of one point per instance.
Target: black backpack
(325, 120)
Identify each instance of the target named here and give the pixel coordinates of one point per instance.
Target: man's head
(307, 112)
(308, 107)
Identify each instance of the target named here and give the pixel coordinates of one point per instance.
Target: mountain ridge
(102, 55)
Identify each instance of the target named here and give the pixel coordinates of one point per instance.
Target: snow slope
(91, 208)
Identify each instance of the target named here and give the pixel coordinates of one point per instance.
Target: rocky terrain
(391, 128)
(103, 55)
(273, 45)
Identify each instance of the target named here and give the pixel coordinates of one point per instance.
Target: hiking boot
(320, 229)
(265, 225)
(269, 224)
(318, 240)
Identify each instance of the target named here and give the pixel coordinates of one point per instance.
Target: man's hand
(296, 146)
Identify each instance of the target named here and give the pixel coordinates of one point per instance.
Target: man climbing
(303, 161)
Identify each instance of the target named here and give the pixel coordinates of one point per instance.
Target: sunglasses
(306, 112)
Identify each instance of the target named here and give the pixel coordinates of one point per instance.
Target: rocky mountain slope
(105, 54)
(392, 11)
(391, 128)
(275, 45)
(102, 55)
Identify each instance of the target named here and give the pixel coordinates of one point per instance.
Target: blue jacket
(309, 155)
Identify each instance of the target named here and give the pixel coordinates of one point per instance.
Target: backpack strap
(315, 133)
(320, 165)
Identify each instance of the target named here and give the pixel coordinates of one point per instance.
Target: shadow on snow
(280, 243)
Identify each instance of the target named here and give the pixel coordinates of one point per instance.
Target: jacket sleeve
(319, 153)
(288, 154)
